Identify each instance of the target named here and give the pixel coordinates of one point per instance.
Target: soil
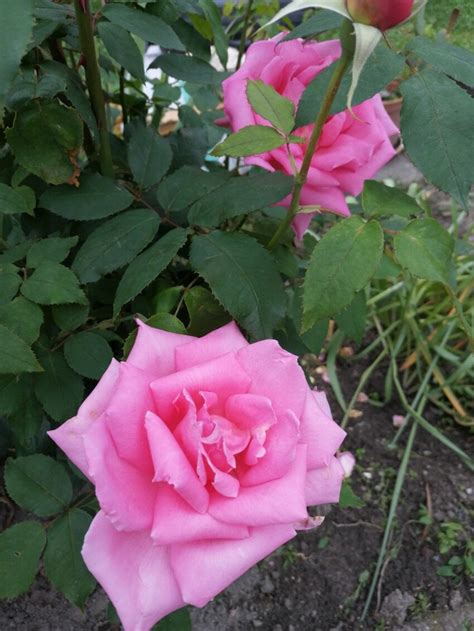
(318, 582)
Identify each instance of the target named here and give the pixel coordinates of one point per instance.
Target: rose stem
(342, 65)
(243, 37)
(86, 37)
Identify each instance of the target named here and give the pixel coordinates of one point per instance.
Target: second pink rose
(352, 149)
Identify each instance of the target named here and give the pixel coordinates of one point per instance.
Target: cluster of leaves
(174, 237)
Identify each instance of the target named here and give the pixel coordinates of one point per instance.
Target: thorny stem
(331, 92)
(86, 37)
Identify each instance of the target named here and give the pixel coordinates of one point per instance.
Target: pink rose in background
(205, 454)
(351, 149)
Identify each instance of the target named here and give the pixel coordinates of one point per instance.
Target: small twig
(367, 524)
(122, 95)
(429, 510)
(11, 511)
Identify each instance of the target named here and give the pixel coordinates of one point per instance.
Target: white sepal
(367, 38)
(338, 6)
(417, 6)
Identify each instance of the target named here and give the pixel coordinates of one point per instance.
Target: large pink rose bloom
(352, 148)
(205, 453)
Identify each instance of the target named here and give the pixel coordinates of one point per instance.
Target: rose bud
(380, 13)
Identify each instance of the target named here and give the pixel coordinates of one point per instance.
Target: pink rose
(351, 149)
(204, 454)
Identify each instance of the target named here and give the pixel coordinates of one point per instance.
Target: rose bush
(352, 147)
(205, 453)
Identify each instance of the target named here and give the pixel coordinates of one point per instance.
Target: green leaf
(322, 21)
(41, 31)
(221, 40)
(387, 268)
(273, 107)
(115, 243)
(12, 255)
(53, 249)
(29, 198)
(383, 66)
(249, 141)
(53, 284)
(63, 562)
(242, 276)
(454, 61)
(291, 339)
(238, 195)
(20, 550)
(342, 264)
(190, 69)
(88, 354)
(425, 249)
(29, 85)
(12, 202)
(14, 391)
(16, 27)
(149, 155)
(23, 318)
(122, 48)
(352, 320)
(96, 197)
(179, 620)
(205, 313)
(146, 267)
(164, 321)
(348, 498)
(166, 298)
(74, 91)
(45, 139)
(59, 389)
(17, 356)
(38, 484)
(9, 282)
(188, 185)
(380, 200)
(437, 131)
(70, 317)
(148, 27)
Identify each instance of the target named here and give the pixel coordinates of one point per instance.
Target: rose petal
(176, 522)
(280, 448)
(323, 486)
(171, 464)
(126, 494)
(136, 574)
(320, 433)
(226, 339)
(322, 400)
(274, 374)
(249, 411)
(223, 376)
(126, 416)
(205, 568)
(69, 435)
(347, 462)
(280, 501)
(154, 350)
